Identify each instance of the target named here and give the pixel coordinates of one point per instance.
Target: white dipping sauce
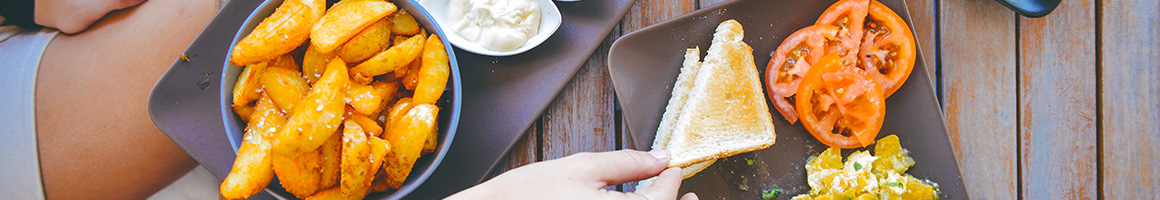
(500, 25)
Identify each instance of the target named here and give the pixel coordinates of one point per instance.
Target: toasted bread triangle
(725, 113)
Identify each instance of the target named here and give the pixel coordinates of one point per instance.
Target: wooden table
(1061, 107)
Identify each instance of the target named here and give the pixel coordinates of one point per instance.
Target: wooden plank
(707, 3)
(978, 76)
(523, 153)
(649, 12)
(1057, 103)
(1130, 90)
(924, 24)
(580, 119)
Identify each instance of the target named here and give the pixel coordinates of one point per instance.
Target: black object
(644, 66)
(1031, 8)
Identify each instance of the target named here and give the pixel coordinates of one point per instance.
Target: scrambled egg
(865, 176)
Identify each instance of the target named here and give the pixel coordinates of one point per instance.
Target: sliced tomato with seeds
(841, 106)
(791, 61)
(888, 48)
(849, 15)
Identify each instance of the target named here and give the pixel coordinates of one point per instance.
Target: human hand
(74, 16)
(582, 176)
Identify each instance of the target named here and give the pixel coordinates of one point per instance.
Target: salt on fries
(325, 131)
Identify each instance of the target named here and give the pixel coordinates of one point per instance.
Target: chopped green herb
(749, 161)
(771, 193)
(895, 184)
(857, 166)
(849, 198)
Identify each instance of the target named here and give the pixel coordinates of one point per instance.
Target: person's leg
(95, 137)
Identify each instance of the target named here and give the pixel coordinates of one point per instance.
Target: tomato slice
(840, 106)
(887, 51)
(791, 61)
(850, 16)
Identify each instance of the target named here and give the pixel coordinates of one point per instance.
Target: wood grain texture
(978, 76)
(580, 119)
(707, 3)
(648, 12)
(1130, 91)
(1057, 98)
(525, 151)
(924, 24)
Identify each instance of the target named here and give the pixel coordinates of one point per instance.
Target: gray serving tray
(644, 66)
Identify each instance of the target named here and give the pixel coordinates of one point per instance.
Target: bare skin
(95, 137)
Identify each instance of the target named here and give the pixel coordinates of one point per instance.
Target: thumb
(619, 166)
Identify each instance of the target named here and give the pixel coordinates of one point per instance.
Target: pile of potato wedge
(356, 115)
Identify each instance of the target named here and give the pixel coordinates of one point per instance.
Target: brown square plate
(644, 66)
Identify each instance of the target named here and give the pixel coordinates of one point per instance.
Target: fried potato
(285, 87)
(389, 60)
(403, 23)
(370, 99)
(318, 115)
(285, 61)
(252, 169)
(247, 89)
(406, 139)
(355, 158)
(314, 63)
(370, 41)
(287, 28)
(432, 142)
(299, 174)
(367, 124)
(432, 77)
(342, 22)
(379, 150)
(243, 111)
(336, 194)
(397, 112)
(390, 91)
(410, 79)
(331, 151)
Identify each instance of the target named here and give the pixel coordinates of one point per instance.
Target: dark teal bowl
(448, 116)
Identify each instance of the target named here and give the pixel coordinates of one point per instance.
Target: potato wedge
(356, 158)
(433, 73)
(287, 28)
(410, 80)
(406, 139)
(397, 112)
(252, 169)
(314, 63)
(403, 23)
(336, 194)
(389, 60)
(299, 174)
(285, 61)
(285, 87)
(367, 124)
(370, 41)
(243, 111)
(247, 89)
(370, 99)
(318, 115)
(432, 142)
(331, 151)
(341, 23)
(379, 150)
(389, 90)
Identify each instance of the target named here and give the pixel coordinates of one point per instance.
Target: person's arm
(582, 176)
(94, 134)
(74, 16)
